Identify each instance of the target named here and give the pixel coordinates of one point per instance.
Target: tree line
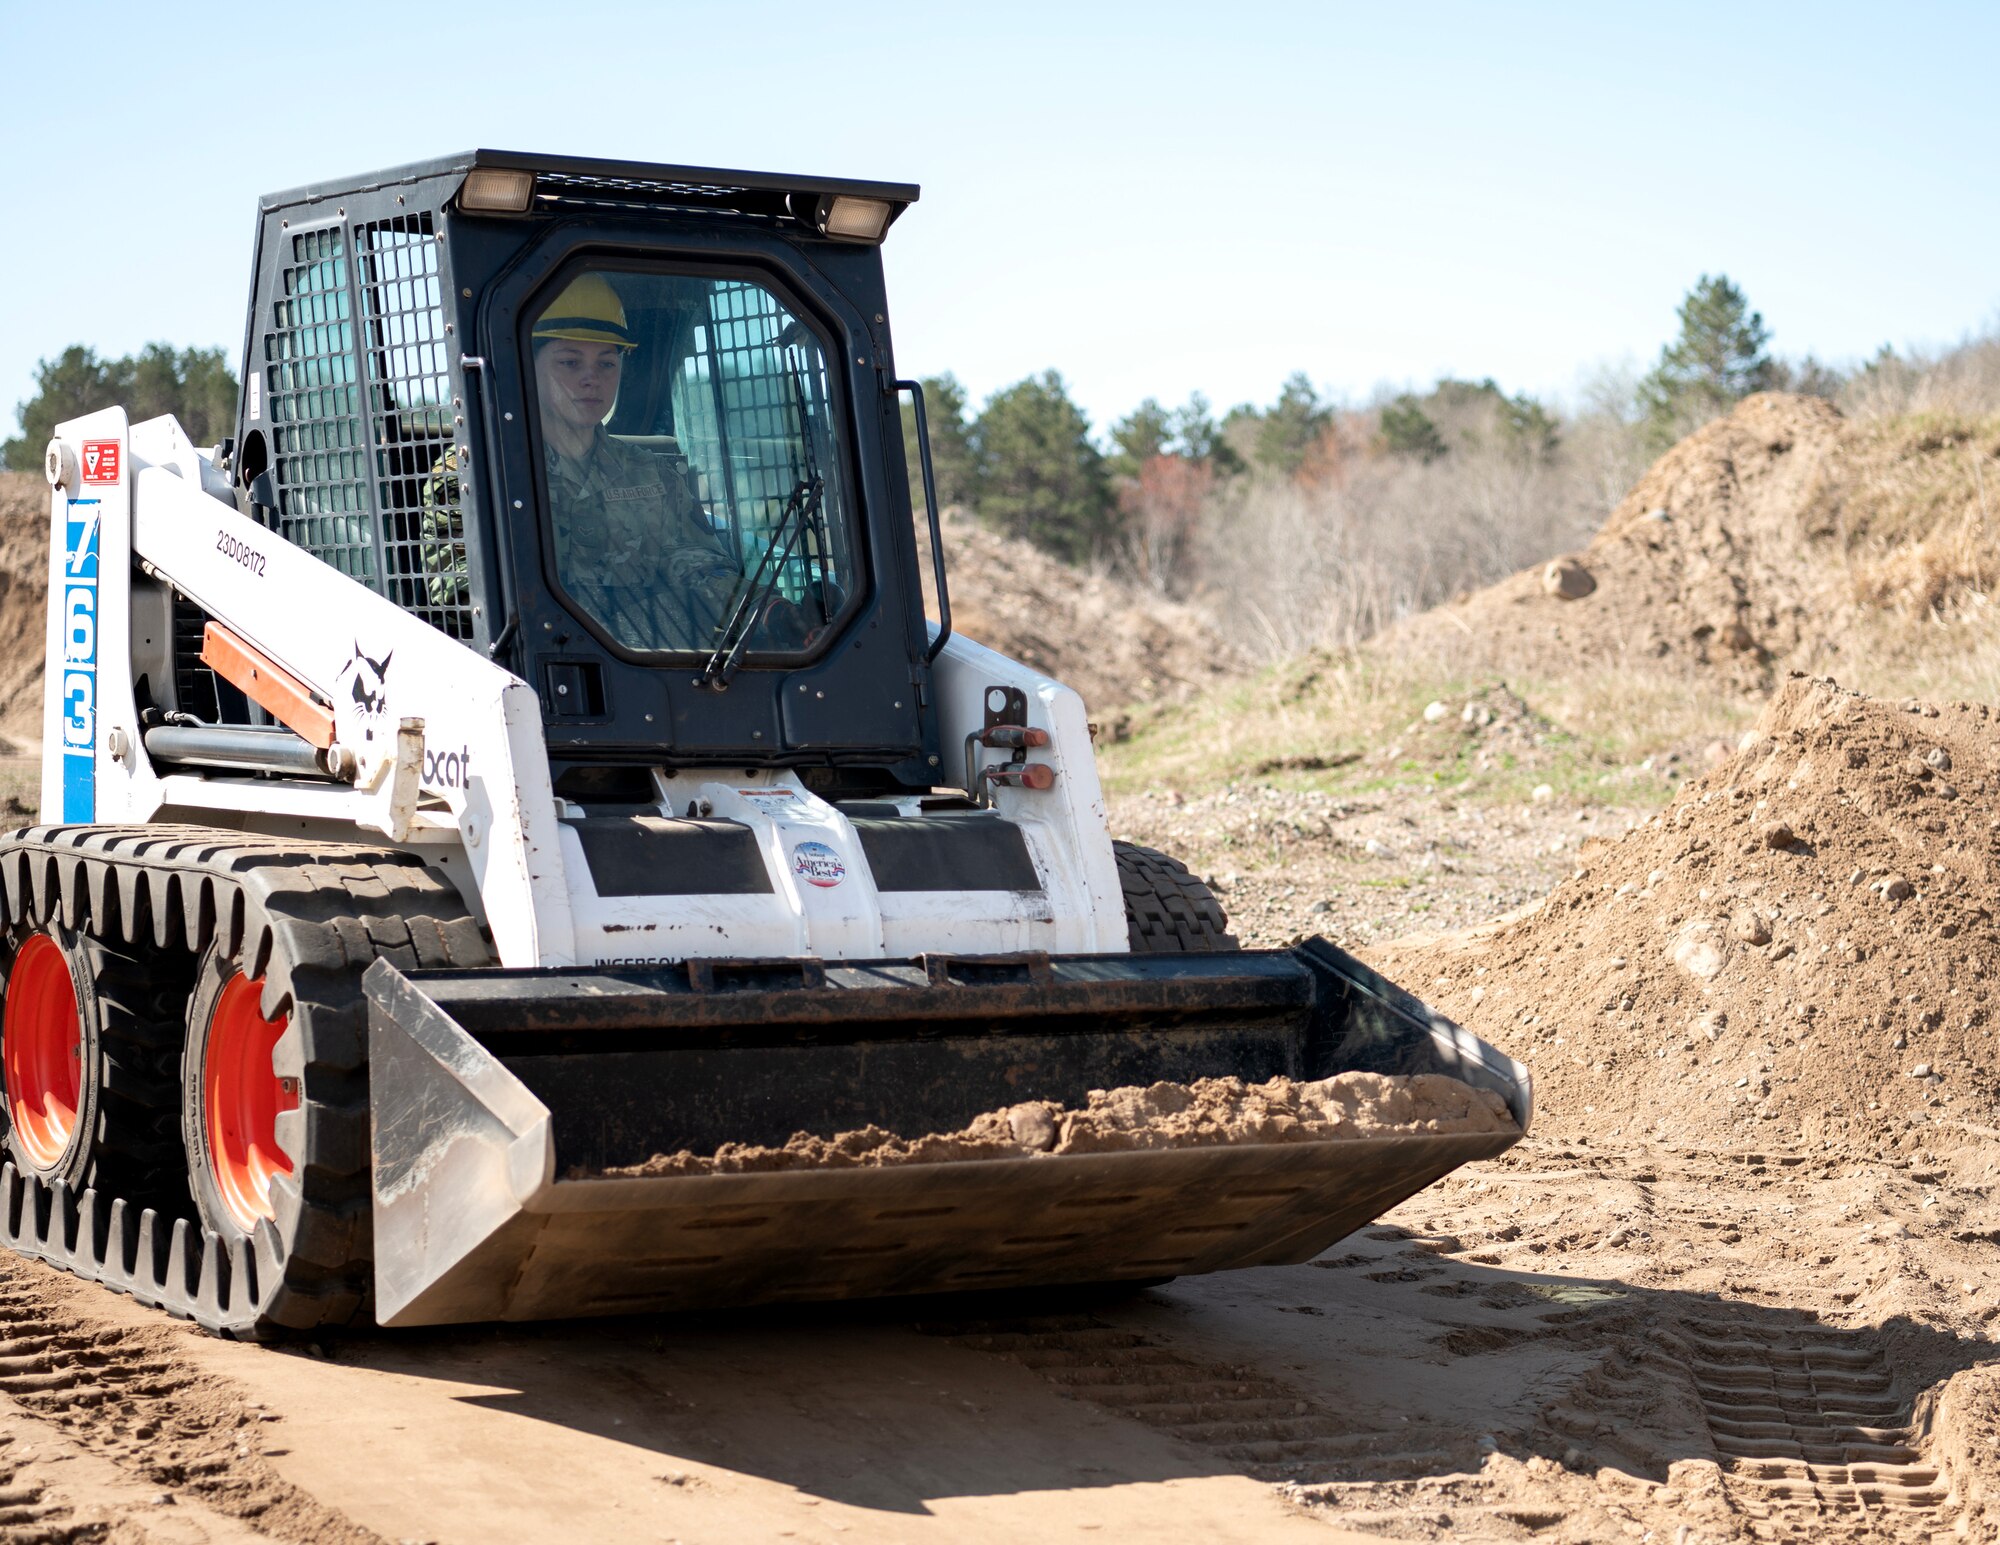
(192, 384)
(1029, 462)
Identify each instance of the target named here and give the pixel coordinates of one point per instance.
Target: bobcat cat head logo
(368, 676)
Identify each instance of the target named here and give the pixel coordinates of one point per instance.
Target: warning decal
(100, 461)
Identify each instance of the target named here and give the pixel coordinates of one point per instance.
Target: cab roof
(571, 182)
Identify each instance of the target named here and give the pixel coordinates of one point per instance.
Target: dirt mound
(24, 589)
(1751, 548)
(1115, 644)
(1801, 946)
(1207, 1113)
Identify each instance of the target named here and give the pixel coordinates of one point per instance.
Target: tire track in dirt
(1727, 1420)
(122, 1395)
(27, 1515)
(1258, 1425)
(1812, 1431)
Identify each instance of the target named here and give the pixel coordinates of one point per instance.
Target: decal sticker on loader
(370, 695)
(448, 769)
(100, 461)
(817, 864)
(773, 802)
(79, 655)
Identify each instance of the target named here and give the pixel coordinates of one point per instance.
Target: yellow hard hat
(588, 311)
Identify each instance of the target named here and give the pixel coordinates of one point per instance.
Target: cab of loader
(634, 431)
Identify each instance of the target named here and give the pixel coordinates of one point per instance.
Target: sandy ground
(1594, 1338)
(1566, 1345)
(1734, 1330)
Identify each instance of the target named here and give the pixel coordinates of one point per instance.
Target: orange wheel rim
(41, 1049)
(242, 1098)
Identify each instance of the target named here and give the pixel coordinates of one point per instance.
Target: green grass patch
(1352, 725)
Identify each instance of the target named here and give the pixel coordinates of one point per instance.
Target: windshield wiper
(803, 513)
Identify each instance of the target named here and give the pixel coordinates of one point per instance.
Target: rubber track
(1167, 909)
(308, 918)
(140, 1029)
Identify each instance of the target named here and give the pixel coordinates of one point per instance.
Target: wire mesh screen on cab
(319, 459)
(411, 422)
(363, 442)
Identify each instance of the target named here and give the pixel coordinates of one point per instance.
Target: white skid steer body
(448, 755)
(514, 1111)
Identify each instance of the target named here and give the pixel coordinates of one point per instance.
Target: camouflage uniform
(632, 546)
(442, 534)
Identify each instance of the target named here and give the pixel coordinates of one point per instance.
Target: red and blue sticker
(817, 864)
(100, 461)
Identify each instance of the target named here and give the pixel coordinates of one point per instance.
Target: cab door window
(692, 465)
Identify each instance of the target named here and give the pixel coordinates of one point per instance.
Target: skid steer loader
(521, 750)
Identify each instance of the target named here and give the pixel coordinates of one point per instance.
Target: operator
(631, 542)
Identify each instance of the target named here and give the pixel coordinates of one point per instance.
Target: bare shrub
(1288, 566)
(1603, 442)
(1161, 512)
(1963, 380)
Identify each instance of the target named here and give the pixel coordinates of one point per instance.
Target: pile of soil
(1750, 549)
(1115, 644)
(1801, 946)
(24, 589)
(1211, 1112)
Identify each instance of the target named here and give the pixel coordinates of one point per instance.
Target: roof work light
(497, 190)
(856, 219)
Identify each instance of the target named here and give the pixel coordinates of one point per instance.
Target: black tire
(304, 919)
(1168, 911)
(368, 906)
(126, 1138)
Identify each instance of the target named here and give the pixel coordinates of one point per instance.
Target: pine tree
(1292, 426)
(1193, 433)
(1039, 476)
(192, 384)
(1137, 438)
(1409, 431)
(1719, 359)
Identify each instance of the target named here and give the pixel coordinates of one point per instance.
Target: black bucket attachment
(501, 1097)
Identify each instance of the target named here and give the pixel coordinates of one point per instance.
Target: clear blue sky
(1152, 198)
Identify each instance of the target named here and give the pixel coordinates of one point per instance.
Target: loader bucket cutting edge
(500, 1097)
